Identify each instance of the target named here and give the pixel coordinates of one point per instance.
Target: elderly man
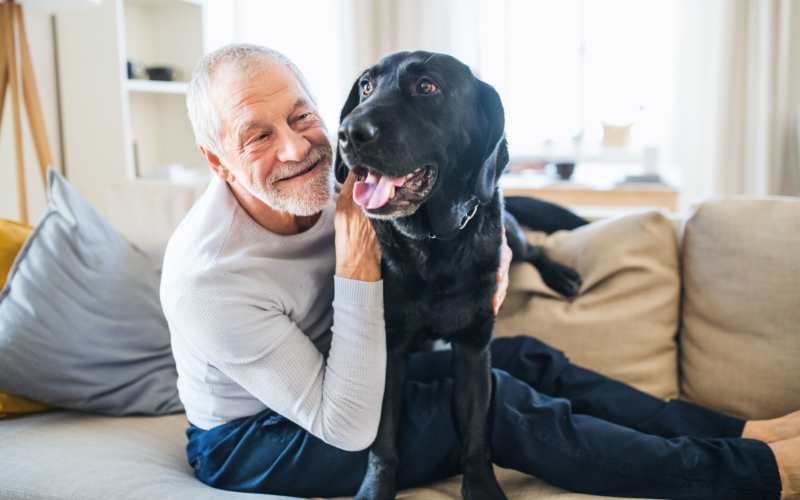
(273, 295)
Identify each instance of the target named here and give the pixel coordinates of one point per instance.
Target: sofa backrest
(740, 335)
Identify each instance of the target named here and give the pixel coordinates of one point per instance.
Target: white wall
(92, 100)
(40, 39)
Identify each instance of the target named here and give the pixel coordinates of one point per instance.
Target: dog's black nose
(358, 132)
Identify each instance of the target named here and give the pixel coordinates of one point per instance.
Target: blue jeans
(551, 419)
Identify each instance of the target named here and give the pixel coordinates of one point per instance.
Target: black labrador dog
(425, 139)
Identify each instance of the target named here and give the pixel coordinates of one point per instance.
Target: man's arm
(338, 399)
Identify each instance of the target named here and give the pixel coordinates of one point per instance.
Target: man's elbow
(360, 437)
(358, 441)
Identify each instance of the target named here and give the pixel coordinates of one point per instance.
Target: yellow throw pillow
(12, 237)
(11, 405)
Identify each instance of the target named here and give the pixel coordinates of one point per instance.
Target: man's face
(272, 137)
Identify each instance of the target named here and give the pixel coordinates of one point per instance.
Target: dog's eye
(366, 87)
(426, 86)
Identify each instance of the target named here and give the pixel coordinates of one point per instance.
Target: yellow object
(12, 237)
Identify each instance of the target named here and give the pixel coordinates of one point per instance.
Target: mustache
(290, 169)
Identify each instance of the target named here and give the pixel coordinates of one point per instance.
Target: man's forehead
(236, 89)
(264, 75)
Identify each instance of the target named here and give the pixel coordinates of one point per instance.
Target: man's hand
(357, 252)
(502, 275)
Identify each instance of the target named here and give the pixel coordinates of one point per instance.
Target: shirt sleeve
(337, 399)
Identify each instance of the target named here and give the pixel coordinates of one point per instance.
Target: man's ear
(216, 165)
(339, 168)
(495, 155)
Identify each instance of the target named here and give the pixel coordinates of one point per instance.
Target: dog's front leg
(380, 480)
(471, 405)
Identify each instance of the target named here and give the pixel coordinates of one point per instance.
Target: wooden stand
(11, 15)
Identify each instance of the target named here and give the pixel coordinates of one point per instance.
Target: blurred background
(610, 104)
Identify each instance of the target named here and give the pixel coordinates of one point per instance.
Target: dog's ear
(353, 99)
(495, 155)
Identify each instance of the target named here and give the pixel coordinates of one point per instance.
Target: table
(594, 189)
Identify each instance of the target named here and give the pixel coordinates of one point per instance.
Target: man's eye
(366, 87)
(426, 86)
(304, 116)
(262, 136)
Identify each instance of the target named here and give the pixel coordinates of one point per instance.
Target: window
(565, 68)
(308, 33)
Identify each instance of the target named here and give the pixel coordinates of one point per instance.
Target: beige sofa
(712, 316)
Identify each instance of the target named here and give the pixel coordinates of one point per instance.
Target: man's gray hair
(244, 57)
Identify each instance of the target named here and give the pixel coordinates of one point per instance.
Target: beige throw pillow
(741, 319)
(624, 322)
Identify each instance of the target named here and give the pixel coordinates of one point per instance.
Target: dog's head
(425, 139)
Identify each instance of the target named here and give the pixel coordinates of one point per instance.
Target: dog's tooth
(391, 191)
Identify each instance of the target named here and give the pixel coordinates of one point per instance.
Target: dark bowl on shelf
(160, 73)
(565, 170)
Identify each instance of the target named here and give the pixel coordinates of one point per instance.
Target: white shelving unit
(159, 33)
(156, 87)
(128, 132)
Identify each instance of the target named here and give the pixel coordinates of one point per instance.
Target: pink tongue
(373, 192)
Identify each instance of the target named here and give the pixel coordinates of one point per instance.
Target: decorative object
(616, 135)
(565, 170)
(81, 325)
(160, 73)
(134, 70)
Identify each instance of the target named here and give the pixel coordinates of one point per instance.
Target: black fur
(441, 253)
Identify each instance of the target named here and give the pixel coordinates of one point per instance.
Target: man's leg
(549, 371)
(267, 453)
(531, 432)
(541, 436)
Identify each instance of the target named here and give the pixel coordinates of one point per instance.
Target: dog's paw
(562, 279)
(377, 490)
(485, 488)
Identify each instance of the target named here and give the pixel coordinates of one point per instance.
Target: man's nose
(357, 132)
(293, 147)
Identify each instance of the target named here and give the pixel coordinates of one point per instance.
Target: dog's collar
(468, 217)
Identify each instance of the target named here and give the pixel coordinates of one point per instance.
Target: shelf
(156, 87)
(596, 154)
(162, 3)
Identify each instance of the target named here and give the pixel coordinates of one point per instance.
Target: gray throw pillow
(81, 325)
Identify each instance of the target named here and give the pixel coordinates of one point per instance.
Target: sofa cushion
(741, 316)
(12, 237)
(623, 324)
(81, 325)
(73, 455)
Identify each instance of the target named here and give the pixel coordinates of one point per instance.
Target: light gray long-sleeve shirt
(258, 320)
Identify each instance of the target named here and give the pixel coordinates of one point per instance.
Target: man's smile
(302, 174)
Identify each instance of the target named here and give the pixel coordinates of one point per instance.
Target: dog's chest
(436, 295)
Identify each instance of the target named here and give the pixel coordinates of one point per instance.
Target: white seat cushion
(89, 457)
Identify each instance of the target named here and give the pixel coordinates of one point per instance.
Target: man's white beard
(304, 199)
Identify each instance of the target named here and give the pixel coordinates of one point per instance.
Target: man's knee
(515, 353)
(525, 423)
